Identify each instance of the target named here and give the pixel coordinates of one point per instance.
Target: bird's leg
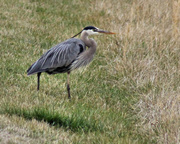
(68, 87)
(38, 80)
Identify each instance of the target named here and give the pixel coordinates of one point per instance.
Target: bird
(68, 55)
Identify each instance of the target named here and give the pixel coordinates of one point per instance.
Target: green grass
(77, 121)
(129, 94)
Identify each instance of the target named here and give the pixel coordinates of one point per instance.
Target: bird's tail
(34, 68)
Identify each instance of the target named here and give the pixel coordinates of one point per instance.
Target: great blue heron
(67, 56)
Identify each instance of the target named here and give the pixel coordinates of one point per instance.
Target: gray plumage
(59, 58)
(68, 55)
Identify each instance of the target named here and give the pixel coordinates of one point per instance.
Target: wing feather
(61, 55)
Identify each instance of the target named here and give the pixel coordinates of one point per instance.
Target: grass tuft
(75, 122)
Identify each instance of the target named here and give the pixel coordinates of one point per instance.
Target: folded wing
(59, 58)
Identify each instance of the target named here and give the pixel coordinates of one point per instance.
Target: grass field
(129, 94)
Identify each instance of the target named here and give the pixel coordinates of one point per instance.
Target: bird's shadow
(72, 122)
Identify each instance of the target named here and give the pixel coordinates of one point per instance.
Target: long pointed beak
(105, 32)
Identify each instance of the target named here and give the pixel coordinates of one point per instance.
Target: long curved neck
(86, 56)
(90, 43)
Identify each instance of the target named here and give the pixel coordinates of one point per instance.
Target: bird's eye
(94, 30)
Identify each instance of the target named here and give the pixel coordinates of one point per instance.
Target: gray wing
(59, 56)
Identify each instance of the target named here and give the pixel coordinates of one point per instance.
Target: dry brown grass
(18, 130)
(149, 55)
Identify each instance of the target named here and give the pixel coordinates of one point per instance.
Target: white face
(91, 32)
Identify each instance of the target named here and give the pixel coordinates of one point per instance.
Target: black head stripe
(87, 28)
(90, 28)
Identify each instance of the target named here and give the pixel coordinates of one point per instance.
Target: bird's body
(67, 56)
(59, 58)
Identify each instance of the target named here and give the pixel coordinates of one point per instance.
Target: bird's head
(91, 30)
